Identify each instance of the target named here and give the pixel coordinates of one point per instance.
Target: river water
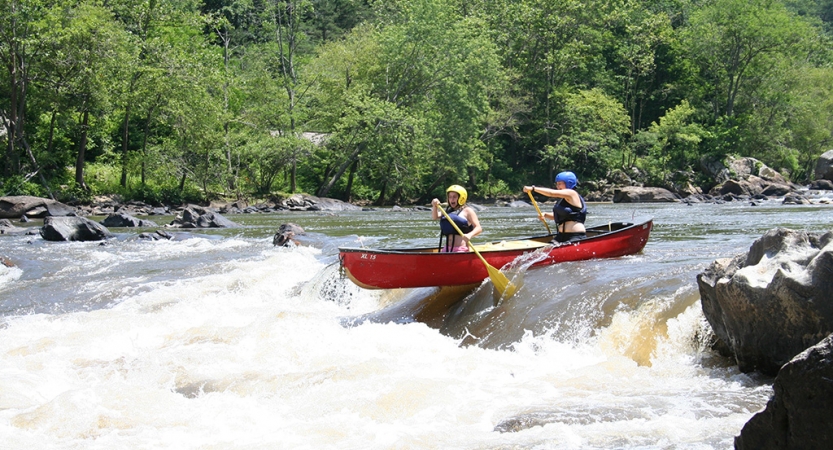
(222, 341)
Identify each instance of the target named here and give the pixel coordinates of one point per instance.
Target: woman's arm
(471, 216)
(569, 194)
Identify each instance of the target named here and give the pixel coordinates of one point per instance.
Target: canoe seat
(510, 245)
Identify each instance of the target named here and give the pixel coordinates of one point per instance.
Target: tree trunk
(82, 150)
(325, 190)
(433, 186)
(348, 195)
(123, 181)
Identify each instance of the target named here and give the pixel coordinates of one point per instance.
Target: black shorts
(569, 237)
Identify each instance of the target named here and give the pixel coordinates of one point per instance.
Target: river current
(222, 341)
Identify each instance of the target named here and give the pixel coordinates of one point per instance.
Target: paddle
(539, 211)
(502, 284)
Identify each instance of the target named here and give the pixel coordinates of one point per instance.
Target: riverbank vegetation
(388, 101)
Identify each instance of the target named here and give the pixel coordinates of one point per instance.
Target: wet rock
(122, 219)
(159, 235)
(636, 194)
(772, 303)
(23, 205)
(822, 185)
(194, 216)
(303, 202)
(795, 199)
(6, 227)
(73, 229)
(798, 414)
(286, 233)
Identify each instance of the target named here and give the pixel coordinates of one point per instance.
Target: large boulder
(303, 202)
(772, 303)
(822, 185)
(799, 413)
(637, 194)
(824, 166)
(744, 176)
(73, 229)
(194, 216)
(16, 206)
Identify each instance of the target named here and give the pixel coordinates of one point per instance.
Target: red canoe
(422, 267)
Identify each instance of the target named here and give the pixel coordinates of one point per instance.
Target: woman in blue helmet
(569, 212)
(463, 216)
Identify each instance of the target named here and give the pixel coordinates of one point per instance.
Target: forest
(390, 101)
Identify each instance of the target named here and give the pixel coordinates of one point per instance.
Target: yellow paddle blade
(502, 284)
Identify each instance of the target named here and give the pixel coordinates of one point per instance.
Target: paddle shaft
(540, 214)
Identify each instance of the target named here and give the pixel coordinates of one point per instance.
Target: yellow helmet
(461, 191)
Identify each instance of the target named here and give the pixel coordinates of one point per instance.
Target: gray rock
(303, 202)
(73, 229)
(636, 194)
(6, 227)
(822, 185)
(194, 216)
(122, 219)
(799, 413)
(15, 206)
(824, 166)
(286, 233)
(772, 303)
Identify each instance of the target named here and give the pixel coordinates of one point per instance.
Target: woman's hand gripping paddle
(540, 215)
(502, 284)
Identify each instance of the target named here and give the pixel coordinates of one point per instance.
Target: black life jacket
(447, 230)
(564, 211)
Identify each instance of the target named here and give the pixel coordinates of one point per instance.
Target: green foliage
(188, 100)
(19, 185)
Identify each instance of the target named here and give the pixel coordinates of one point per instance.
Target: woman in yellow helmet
(463, 216)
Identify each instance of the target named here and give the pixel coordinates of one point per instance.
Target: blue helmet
(569, 179)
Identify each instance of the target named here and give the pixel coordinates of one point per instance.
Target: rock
(772, 303)
(73, 229)
(15, 206)
(6, 227)
(194, 216)
(715, 169)
(798, 414)
(635, 194)
(824, 166)
(303, 202)
(286, 233)
(796, 199)
(122, 219)
(822, 185)
(157, 236)
(777, 190)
